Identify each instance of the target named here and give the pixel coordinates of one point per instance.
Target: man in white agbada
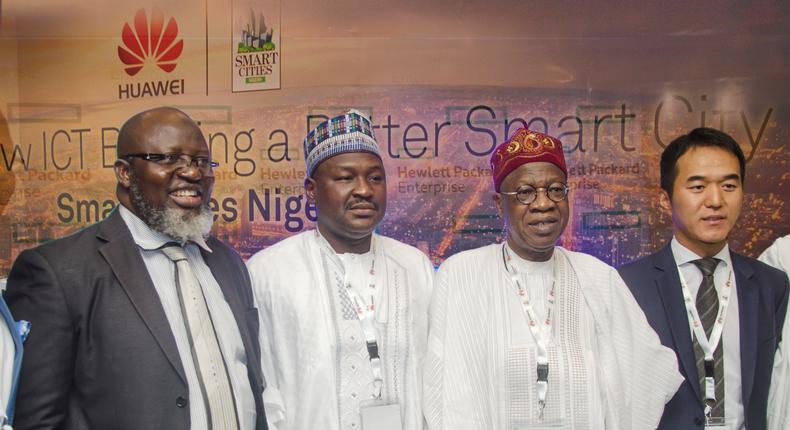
(527, 335)
(344, 309)
(778, 255)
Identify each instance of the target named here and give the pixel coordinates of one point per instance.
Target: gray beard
(179, 225)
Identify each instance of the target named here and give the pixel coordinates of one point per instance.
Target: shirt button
(181, 402)
(354, 396)
(698, 421)
(354, 425)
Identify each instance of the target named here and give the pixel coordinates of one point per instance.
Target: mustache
(362, 204)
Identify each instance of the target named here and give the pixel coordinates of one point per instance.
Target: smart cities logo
(256, 57)
(150, 42)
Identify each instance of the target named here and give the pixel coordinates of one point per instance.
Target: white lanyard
(366, 312)
(540, 329)
(708, 345)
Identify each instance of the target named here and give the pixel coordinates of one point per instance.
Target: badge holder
(715, 423)
(711, 423)
(377, 414)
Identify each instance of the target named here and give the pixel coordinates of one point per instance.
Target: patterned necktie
(708, 308)
(209, 364)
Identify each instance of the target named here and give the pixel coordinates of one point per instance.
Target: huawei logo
(150, 42)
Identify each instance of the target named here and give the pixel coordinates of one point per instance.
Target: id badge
(381, 416)
(716, 423)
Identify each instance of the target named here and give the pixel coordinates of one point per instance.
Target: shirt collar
(147, 238)
(324, 244)
(530, 267)
(684, 255)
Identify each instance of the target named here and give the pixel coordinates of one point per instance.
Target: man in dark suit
(141, 321)
(721, 312)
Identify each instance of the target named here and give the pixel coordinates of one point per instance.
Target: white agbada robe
(607, 368)
(312, 343)
(778, 255)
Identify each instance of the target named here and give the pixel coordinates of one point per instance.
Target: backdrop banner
(443, 83)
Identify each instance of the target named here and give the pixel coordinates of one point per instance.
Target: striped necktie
(708, 308)
(209, 363)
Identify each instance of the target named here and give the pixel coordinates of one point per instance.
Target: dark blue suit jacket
(101, 354)
(762, 303)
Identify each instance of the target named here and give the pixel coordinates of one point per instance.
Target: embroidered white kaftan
(312, 344)
(607, 368)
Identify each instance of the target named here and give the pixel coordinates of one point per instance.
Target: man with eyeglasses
(526, 334)
(143, 320)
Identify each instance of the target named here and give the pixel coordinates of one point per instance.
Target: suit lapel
(124, 259)
(748, 309)
(228, 283)
(232, 283)
(668, 285)
(230, 286)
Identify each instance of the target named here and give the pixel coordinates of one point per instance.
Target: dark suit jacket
(101, 354)
(762, 303)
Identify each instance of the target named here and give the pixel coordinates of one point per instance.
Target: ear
(310, 188)
(665, 201)
(122, 172)
(499, 204)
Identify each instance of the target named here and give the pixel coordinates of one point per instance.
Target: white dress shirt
(162, 272)
(731, 334)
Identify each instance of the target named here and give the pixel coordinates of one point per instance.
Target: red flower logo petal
(172, 53)
(127, 35)
(149, 40)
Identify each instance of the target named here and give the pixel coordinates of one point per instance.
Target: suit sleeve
(35, 294)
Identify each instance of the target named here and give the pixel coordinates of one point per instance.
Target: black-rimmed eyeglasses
(176, 161)
(527, 194)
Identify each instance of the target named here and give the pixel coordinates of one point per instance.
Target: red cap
(526, 146)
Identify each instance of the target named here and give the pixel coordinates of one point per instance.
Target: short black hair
(699, 137)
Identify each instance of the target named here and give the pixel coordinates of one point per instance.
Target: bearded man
(126, 314)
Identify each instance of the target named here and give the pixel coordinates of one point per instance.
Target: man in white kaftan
(607, 368)
(314, 343)
(778, 255)
(344, 311)
(527, 335)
